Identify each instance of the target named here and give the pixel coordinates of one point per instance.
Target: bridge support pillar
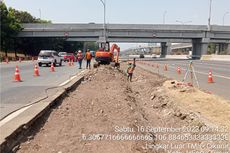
(199, 48)
(165, 49)
(228, 49)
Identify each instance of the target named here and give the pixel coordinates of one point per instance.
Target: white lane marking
(13, 115)
(216, 75)
(67, 81)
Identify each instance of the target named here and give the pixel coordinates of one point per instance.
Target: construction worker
(88, 58)
(130, 70)
(79, 58)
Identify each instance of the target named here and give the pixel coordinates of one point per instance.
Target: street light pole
(224, 16)
(40, 13)
(210, 14)
(165, 12)
(104, 25)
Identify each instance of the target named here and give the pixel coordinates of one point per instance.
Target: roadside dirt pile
(108, 114)
(211, 109)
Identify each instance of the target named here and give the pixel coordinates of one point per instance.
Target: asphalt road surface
(17, 94)
(220, 71)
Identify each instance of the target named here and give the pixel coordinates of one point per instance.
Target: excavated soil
(108, 114)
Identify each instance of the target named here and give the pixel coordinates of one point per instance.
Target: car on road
(49, 56)
(62, 54)
(141, 56)
(92, 53)
(69, 56)
(154, 56)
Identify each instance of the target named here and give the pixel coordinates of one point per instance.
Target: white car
(154, 56)
(49, 56)
(62, 54)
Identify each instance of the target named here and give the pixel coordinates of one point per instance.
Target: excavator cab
(104, 46)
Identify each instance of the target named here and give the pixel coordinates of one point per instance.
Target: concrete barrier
(216, 57)
(13, 131)
(176, 56)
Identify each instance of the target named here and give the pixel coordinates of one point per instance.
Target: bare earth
(106, 105)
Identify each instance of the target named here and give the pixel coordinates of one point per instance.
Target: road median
(16, 128)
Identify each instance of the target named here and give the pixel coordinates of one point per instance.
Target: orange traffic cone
(52, 68)
(157, 66)
(17, 75)
(178, 70)
(72, 63)
(166, 67)
(7, 60)
(36, 71)
(210, 79)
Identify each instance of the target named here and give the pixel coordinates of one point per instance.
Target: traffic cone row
(36, 72)
(210, 77)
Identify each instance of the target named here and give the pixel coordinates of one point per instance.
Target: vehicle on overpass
(49, 56)
(106, 55)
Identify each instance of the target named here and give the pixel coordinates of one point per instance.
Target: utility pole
(104, 25)
(210, 14)
(165, 12)
(224, 17)
(40, 14)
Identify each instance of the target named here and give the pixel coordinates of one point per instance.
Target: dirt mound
(108, 114)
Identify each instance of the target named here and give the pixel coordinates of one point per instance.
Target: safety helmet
(79, 51)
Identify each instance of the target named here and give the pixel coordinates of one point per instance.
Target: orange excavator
(106, 55)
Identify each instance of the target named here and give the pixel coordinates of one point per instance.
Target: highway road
(220, 71)
(17, 94)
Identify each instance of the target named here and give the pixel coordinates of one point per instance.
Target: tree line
(11, 20)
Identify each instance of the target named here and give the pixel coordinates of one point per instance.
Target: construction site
(107, 113)
(70, 83)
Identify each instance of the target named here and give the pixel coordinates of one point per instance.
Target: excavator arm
(117, 49)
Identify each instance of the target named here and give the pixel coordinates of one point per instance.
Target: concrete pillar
(165, 49)
(199, 49)
(228, 49)
(168, 48)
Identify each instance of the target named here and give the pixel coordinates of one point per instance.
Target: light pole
(183, 22)
(40, 13)
(165, 12)
(104, 4)
(224, 16)
(210, 14)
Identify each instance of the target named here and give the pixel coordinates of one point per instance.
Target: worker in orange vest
(88, 58)
(130, 70)
(79, 58)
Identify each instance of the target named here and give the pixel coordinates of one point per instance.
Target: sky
(127, 11)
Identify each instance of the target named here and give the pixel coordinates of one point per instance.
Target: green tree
(9, 28)
(25, 17)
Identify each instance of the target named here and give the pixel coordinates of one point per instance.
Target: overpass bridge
(198, 35)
